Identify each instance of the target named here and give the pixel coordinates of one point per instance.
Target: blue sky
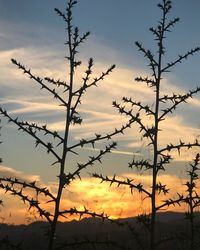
(33, 33)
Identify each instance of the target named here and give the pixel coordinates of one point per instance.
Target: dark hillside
(34, 236)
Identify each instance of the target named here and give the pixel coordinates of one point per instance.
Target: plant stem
(156, 122)
(65, 142)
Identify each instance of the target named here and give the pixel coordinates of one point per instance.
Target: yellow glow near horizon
(116, 202)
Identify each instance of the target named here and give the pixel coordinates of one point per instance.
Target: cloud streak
(97, 110)
(10, 172)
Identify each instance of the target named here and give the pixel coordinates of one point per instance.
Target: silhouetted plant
(164, 105)
(192, 198)
(60, 147)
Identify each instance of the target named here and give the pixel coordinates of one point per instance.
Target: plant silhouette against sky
(56, 144)
(59, 146)
(164, 104)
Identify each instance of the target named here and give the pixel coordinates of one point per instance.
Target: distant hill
(35, 235)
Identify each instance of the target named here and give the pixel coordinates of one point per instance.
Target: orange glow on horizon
(116, 202)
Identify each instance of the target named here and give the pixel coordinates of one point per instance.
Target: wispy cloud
(97, 110)
(29, 106)
(10, 172)
(120, 152)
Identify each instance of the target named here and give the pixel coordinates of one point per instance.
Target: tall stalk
(163, 105)
(60, 148)
(192, 198)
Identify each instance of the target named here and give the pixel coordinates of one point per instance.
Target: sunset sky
(32, 33)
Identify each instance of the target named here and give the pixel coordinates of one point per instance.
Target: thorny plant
(164, 104)
(192, 198)
(60, 147)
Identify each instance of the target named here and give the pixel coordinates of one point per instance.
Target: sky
(32, 33)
